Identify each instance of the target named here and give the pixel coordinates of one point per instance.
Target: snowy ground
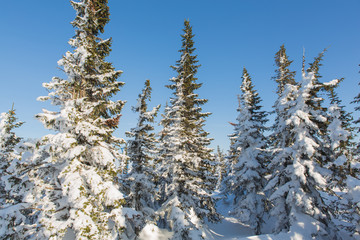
(231, 229)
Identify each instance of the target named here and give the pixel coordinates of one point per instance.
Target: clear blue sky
(230, 34)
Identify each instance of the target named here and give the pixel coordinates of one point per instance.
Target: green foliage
(8, 139)
(283, 74)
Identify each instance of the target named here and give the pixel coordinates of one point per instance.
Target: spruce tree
(343, 175)
(14, 184)
(357, 121)
(220, 170)
(185, 159)
(316, 103)
(141, 151)
(231, 158)
(297, 181)
(247, 174)
(283, 74)
(8, 139)
(340, 138)
(283, 77)
(78, 179)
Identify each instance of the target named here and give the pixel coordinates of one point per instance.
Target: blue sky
(230, 35)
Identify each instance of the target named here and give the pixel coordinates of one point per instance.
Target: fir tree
(220, 170)
(357, 121)
(13, 184)
(341, 202)
(340, 138)
(283, 74)
(8, 139)
(231, 158)
(296, 181)
(185, 159)
(283, 77)
(141, 152)
(315, 102)
(246, 176)
(78, 178)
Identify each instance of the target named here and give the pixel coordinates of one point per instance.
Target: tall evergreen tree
(78, 179)
(185, 159)
(296, 167)
(247, 175)
(141, 151)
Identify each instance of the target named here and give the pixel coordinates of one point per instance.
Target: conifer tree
(185, 159)
(13, 185)
(357, 121)
(220, 170)
(316, 101)
(340, 133)
(78, 178)
(8, 139)
(231, 158)
(283, 74)
(246, 177)
(141, 151)
(296, 167)
(340, 138)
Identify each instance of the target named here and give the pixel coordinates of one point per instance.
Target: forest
(297, 179)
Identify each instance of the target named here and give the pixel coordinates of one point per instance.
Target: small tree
(247, 175)
(283, 74)
(220, 170)
(15, 185)
(341, 180)
(141, 152)
(340, 138)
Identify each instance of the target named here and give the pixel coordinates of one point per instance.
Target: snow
(152, 232)
(299, 231)
(354, 189)
(231, 228)
(76, 170)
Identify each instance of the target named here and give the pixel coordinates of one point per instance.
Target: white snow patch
(152, 232)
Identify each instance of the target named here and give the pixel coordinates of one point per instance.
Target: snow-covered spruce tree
(141, 151)
(343, 175)
(318, 112)
(357, 121)
(279, 138)
(220, 170)
(13, 184)
(247, 175)
(296, 167)
(185, 159)
(8, 141)
(340, 138)
(283, 74)
(231, 158)
(79, 177)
